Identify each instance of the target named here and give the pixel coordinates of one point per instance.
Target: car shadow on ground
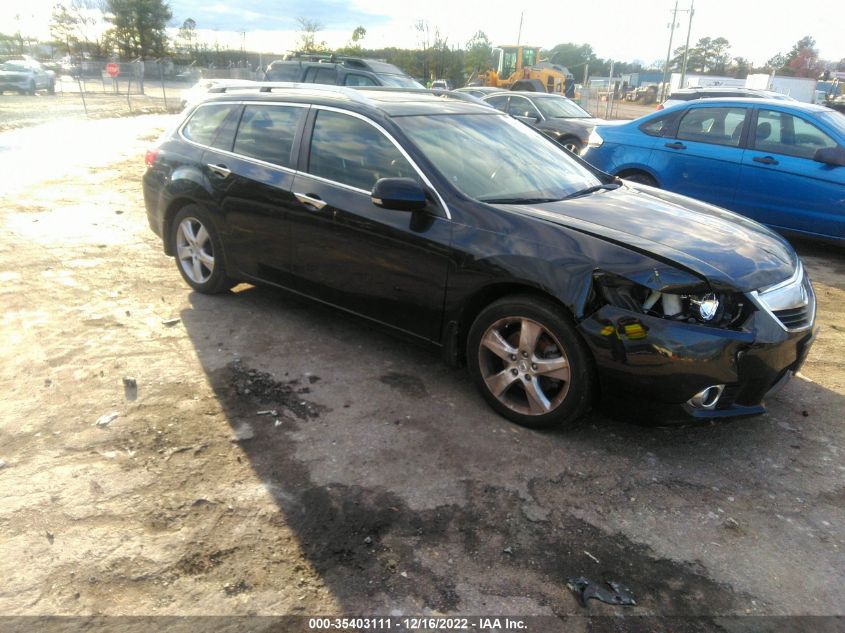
(408, 494)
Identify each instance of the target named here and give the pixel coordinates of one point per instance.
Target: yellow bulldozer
(521, 65)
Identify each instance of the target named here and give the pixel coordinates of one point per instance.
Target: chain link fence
(100, 89)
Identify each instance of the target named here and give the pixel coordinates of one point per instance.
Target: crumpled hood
(723, 247)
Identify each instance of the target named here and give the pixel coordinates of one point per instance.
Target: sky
(616, 29)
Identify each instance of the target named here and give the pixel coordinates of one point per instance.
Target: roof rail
(269, 86)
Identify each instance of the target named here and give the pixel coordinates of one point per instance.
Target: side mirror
(400, 194)
(530, 120)
(830, 156)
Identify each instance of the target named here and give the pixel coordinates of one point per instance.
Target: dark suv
(464, 228)
(341, 71)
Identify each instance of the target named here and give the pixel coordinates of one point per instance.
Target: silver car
(26, 76)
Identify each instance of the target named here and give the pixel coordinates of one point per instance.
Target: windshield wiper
(593, 189)
(519, 200)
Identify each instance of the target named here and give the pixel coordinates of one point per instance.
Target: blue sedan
(780, 163)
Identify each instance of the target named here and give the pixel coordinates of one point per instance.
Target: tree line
(136, 29)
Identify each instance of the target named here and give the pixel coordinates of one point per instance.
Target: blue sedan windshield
(495, 158)
(834, 119)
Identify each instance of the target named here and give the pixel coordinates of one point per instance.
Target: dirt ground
(273, 456)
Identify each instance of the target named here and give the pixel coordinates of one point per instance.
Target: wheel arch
(637, 169)
(457, 329)
(175, 205)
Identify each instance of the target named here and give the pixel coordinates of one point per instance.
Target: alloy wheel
(195, 250)
(524, 366)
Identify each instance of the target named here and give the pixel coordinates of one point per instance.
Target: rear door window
(266, 132)
(206, 123)
(717, 126)
(499, 102)
(350, 151)
(354, 79)
(321, 75)
(520, 106)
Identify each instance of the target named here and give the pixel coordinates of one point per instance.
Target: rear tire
(639, 177)
(198, 251)
(529, 363)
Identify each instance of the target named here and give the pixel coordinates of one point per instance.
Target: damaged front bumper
(664, 364)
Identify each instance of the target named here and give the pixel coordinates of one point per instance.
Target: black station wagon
(462, 227)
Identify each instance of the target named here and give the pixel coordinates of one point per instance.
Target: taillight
(150, 157)
(659, 106)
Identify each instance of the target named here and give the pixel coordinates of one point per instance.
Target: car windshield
(560, 108)
(495, 158)
(400, 81)
(15, 67)
(834, 119)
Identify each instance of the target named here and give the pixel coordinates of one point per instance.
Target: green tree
(353, 46)
(187, 37)
(803, 59)
(479, 53)
(308, 30)
(138, 27)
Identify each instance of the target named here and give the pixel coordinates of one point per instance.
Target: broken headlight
(721, 309)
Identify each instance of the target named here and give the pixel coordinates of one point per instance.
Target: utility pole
(686, 48)
(666, 74)
(519, 35)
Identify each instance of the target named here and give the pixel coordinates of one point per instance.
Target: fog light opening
(707, 398)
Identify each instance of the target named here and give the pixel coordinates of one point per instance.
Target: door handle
(310, 200)
(220, 170)
(766, 160)
(676, 145)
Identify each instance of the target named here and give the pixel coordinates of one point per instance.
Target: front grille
(791, 302)
(795, 318)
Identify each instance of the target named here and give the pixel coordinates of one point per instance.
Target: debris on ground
(170, 322)
(233, 589)
(731, 523)
(244, 432)
(591, 556)
(270, 412)
(2, 463)
(50, 536)
(105, 420)
(508, 550)
(130, 388)
(586, 589)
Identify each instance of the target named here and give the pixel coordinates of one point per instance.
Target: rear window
(206, 122)
(683, 96)
(266, 132)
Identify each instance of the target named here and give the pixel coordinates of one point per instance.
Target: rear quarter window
(207, 121)
(284, 72)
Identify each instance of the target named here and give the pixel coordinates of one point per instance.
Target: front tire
(573, 145)
(529, 363)
(198, 251)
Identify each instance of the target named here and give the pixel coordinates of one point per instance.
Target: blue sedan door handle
(676, 145)
(766, 160)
